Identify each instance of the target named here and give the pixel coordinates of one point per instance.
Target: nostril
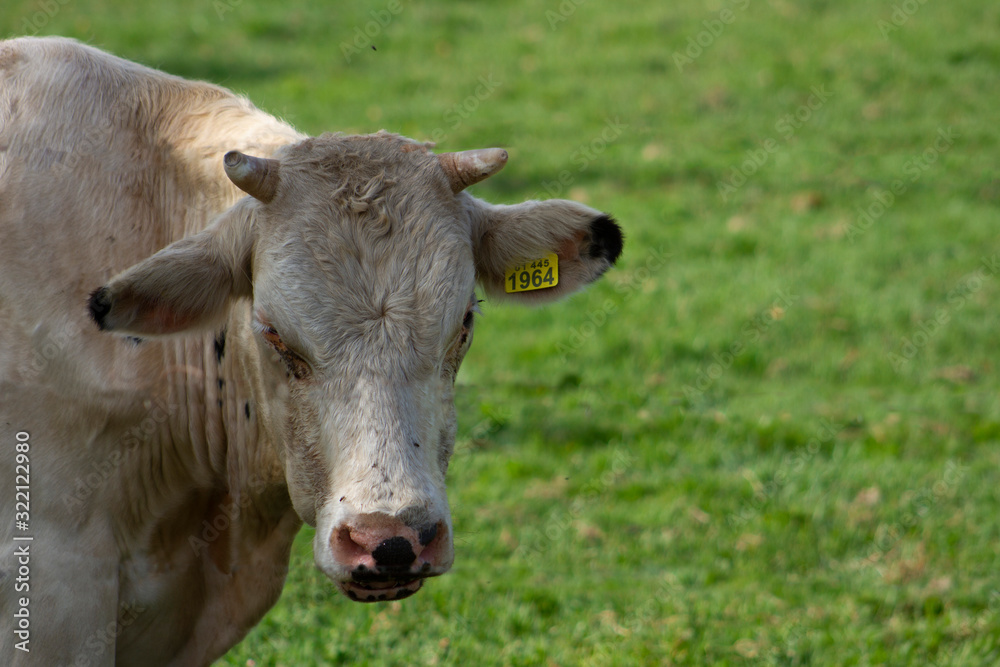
(427, 534)
(436, 545)
(394, 552)
(349, 552)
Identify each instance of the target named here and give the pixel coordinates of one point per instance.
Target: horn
(468, 167)
(258, 177)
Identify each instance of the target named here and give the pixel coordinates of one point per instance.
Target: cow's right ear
(187, 285)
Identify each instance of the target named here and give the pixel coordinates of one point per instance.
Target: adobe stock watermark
(46, 351)
(751, 332)
(793, 641)
(89, 145)
(648, 609)
(490, 424)
(102, 641)
(470, 621)
(791, 464)
(584, 155)
(229, 509)
(911, 344)
(597, 317)
(100, 471)
(565, 9)
(755, 158)
(901, 13)
(21, 556)
(364, 34)
(913, 170)
(560, 521)
(223, 7)
(455, 115)
(47, 10)
(492, 421)
(919, 506)
(984, 623)
(700, 42)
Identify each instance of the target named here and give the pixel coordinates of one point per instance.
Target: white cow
(282, 329)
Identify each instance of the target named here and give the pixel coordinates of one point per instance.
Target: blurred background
(770, 435)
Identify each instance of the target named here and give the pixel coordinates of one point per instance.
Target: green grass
(727, 452)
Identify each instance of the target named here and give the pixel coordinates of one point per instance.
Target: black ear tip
(99, 305)
(607, 239)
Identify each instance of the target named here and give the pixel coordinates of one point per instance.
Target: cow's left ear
(187, 285)
(585, 242)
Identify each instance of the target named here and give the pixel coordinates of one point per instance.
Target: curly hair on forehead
(357, 175)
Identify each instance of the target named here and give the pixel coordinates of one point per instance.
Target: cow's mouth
(379, 591)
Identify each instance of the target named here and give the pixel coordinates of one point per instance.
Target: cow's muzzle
(386, 559)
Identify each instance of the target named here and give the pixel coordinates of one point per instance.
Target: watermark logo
(913, 170)
(47, 9)
(916, 340)
(755, 158)
(901, 13)
(700, 42)
(458, 113)
(751, 332)
(565, 9)
(585, 154)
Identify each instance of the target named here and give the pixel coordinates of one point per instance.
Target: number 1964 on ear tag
(536, 274)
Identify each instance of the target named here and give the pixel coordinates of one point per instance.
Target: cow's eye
(467, 322)
(470, 314)
(296, 365)
(270, 334)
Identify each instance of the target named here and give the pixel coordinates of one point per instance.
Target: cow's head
(360, 256)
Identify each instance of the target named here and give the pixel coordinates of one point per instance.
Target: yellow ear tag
(536, 274)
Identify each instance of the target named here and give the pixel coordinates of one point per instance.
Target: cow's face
(360, 256)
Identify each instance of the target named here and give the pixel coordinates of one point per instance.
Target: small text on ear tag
(532, 275)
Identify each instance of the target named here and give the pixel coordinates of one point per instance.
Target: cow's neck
(213, 470)
(212, 523)
(242, 393)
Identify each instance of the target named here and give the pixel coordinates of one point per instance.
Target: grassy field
(771, 436)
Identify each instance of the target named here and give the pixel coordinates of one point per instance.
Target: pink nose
(388, 559)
